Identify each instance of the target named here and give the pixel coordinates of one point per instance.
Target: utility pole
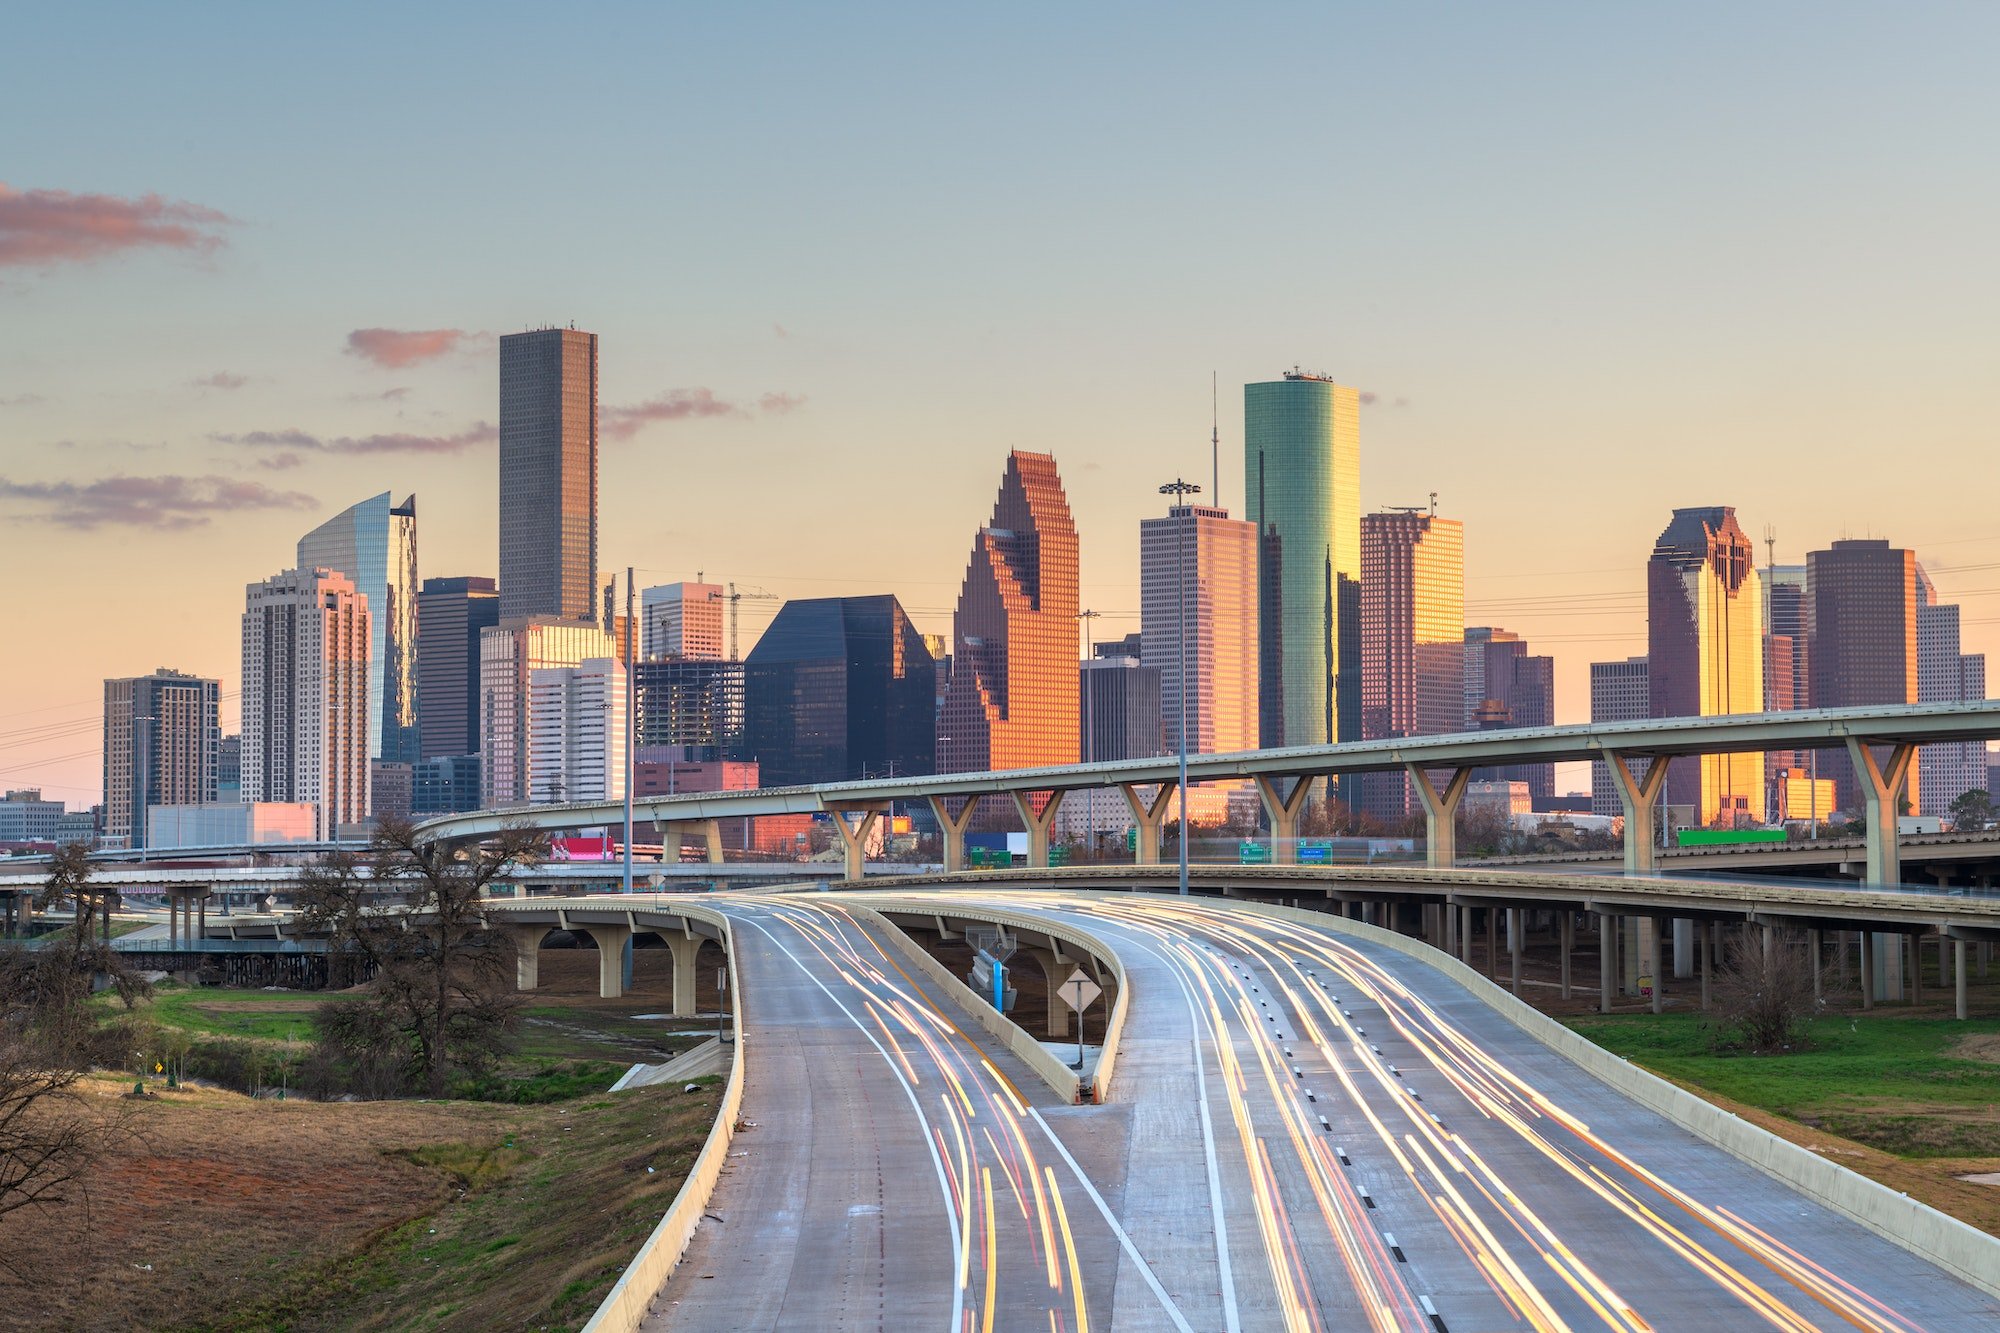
(1089, 723)
(1181, 491)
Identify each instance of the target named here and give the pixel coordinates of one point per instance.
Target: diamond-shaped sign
(1078, 991)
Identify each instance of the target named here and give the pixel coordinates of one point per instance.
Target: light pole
(1181, 490)
(631, 638)
(1089, 724)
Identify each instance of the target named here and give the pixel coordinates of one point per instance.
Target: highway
(1309, 1132)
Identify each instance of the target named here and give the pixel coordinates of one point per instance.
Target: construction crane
(735, 598)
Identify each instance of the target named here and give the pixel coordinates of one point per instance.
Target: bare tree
(1761, 998)
(441, 999)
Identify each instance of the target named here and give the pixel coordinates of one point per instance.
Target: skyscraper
(306, 677)
(162, 742)
(1786, 686)
(1705, 654)
(1862, 622)
(1302, 477)
(374, 543)
(548, 474)
(509, 654)
(576, 717)
(1122, 711)
(1507, 687)
(1946, 676)
(1012, 701)
(693, 704)
(839, 688)
(681, 620)
(451, 615)
(1220, 583)
(1619, 692)
(1412, 638)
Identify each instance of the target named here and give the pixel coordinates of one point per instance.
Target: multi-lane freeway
(1309, 1131)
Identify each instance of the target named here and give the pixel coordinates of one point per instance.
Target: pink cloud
(222, 379)
(780, 403)
(43, 227)
(167, 502)
(398, 349)
(296, 440)
(622, 423)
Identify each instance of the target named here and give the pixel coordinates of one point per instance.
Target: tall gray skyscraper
(374, 543)
(451, 613)
(1619, 692)
(1302, 478)
(548, 475)
(161, 744)
(1946, 676)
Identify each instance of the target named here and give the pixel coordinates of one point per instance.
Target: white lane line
(930, 1141)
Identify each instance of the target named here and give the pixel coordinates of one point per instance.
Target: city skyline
(275, 341)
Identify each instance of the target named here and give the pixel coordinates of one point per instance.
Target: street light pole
(631, 638)
(1181, 490)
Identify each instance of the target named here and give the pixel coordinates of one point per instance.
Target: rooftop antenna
(1214, 443)
(1434, 504)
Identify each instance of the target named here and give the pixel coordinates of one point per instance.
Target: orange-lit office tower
(1705, 654)
(1012, 702)
(1412, 638)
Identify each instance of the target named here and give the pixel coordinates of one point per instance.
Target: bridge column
(1640, 797)
(854, 836)
(1039, 824)
(1054, 968)
(708, 832)
(1440, 811)
(684, 948)
(1958, 975)
(1283, 812)
(528, 956)
(1880, 786)
(611, 942)
(1148, 816)
(953, 827)
(1450, 911)
(1707, 959)
(1514, 933)
(1868, 942)
(1607, 959)
(1567, 943)
(1653, 962)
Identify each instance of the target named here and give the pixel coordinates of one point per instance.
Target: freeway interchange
(1308, 1130)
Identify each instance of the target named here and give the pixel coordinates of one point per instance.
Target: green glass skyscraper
(1302, 477)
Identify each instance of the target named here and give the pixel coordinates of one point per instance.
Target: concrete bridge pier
(706, 831)
(1283, 807)
(1148, 816)
(611, 943)
(953, 828)
(685, 949)
(854, 834)
(1040, 823)
(1054, 969)
(1440, 813)
(528, 956)
(1640, 796)
(1607, 959)
(1566, 945)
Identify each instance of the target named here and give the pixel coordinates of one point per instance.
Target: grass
(215, 1012)
(1903, 1085)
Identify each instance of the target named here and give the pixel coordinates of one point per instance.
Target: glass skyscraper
(548, 475)
(839, 688)
(1302, 477)
(451, 615)
(374, 543)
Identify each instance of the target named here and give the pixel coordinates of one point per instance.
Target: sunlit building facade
(1862, 607)
(1302, 482)
(548, 475)
(1705, 655)
(837, 689)
(306, 638)
(509, 654)
(681, 620)
(162, 746)
(1619, 692)
(374, 543)
(576, 724)
(1203, 553)
(1012, 701)
(1412, 639)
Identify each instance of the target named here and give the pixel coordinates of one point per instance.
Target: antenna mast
(1214, 444)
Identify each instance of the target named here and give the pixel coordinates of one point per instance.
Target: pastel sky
(1591, 263)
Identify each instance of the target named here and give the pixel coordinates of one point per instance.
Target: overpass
(1881, 742)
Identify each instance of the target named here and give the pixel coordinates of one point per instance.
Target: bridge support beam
(953, 828)
(1640, 796)
(1039, 823)
(1055, 968)
(528, 956)
(1567, 943)
(1282, 809)
(1958, 976)
(685, 949)
(1881, 785)
(1148, 816)
(1514, 934)
(706, 831)
(1440, 813)
(611, 942)
(854, 835)
(1607, 960)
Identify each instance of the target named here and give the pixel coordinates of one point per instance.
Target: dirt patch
(1977, 1046)
(299, 1006)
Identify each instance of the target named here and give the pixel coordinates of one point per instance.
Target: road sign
(1078, 991)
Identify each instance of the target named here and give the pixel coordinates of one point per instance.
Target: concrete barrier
(631, 1299)
(1965, 1252)
(1082, 940)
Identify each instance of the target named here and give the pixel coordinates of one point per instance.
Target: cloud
(398, 349)
(166, 503)
(622, 423)
(281, 462)
(22, 400)
(47, 227)
(781, 331)
(780, 403)
(298, 441)
(222, 379)
(1369, 398)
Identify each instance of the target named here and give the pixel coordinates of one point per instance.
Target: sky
(1589, 263)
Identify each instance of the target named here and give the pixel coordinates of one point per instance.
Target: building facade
(1945, 675)
(1862, 609)
(509, 654)
(576, 721)
(162, 746)
(306, 638)
(1199, 557)
(230, 824)
(374, 543)
(837, 689)
(1302, 480)
(1012, 701)
(26, 817)
(451, 615)
(694, 704)
(1705, 655)
(1412, 640)
(548, 475)
(681, 620)
(1122, 709)
(1619, 692)
(1506, 687)
(445, 785)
